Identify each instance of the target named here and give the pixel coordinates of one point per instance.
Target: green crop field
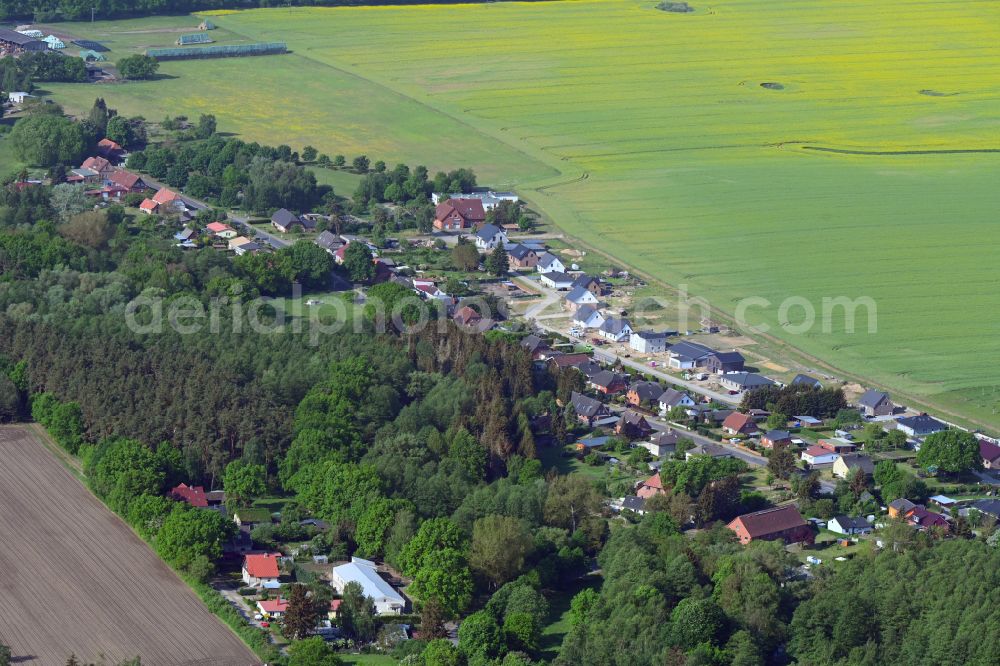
(868, 167)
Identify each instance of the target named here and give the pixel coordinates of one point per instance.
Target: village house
(649, 342)
(922, 519)
(773, 438)
(990, 507)
(588, 316)
(686, 355)
(849, 525)
(591, 284)
(236, 242)
(563, 361)
(633, 425)
(590, 412)
(743, 381)
(651, 487)
(197, 497)
(329, 242)
(875, 403)
(843, 466)
(578, 297)
(537, 347)
(284, 220)
(662, 443)
(838, 445)
(608, 382)
(221, 230)
(110, 150)
(711, 450)
(556, 280)
(738, 423)
(99, 164)
(489, 198)
(990, 453)
(387, 601)
(900, 507)
(783, 523)
(273, 609)
(643, 393)
(590, 368)
(723, 362)
(467, 317)
(806, 380)
(83, 175)
(490, 236)
(673, 398)
(522, 257)
(920, 426)
(548, 263)
(132, 182)
(428, 289)
(459, 214)
(252, 247)
(261, 570)
(817, 455)
(633, 503)
(615, 329)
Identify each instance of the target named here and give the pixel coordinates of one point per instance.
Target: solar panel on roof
(92, 45)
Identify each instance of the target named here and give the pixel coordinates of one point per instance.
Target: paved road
(551, 296)
(244, 223)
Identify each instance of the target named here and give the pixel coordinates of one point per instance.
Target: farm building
(196, 38)
(387, 600)
(13, 43)
(54, 42)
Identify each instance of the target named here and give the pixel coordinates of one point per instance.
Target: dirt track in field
(75, 579)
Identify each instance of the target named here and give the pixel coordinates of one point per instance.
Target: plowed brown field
(75, 579)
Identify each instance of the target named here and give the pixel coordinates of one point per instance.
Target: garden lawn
(869, 171)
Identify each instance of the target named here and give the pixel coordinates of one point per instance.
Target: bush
(247, 591)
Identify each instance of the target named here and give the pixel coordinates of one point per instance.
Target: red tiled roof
(818, 451)
(738, 421)
(165, 196)
(264, 565)
(148, 204)
(216, 227)
(193, 495)
(654, 482)
(108, 144)
(96, 163)
(465, 315)
(566, 360)
(126, 179)
(770, 521)
(278, 605)
(470, 210)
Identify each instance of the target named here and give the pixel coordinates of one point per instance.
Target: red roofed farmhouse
(261, 570)
(193, 495)
(783, 522)
(459, 214)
